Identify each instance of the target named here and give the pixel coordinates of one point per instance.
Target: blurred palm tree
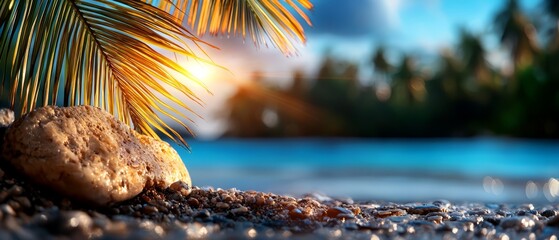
(381, 64)
(472, 53)
(451, 75)
(517, 33)
(107, 53)
(408, 85)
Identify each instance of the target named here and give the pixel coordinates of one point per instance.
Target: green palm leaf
(261, 20)
(99, 53)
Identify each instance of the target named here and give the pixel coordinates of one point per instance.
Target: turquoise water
(395, 170)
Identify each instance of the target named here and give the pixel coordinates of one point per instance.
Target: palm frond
(262, 21)
(101, 53)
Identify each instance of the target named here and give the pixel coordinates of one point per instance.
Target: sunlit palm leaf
(261, 20)
(97, 53)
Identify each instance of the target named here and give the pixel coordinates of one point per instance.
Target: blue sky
(350, 30)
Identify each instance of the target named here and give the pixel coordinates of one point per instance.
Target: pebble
(335, 212)
(442, 203)
(517, 223)
(426, 208)
(7, 210)
(149, 209)
(435, 219)
(231, 214)
(193, 202)
(239, 210)
(548, 213)
(180, 187)
(297, 213)
(77, 220)
(390, 213)
(222, 205)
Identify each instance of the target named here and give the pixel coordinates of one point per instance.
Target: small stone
(15, 205)
(442, 203)
(203, 214)
(554, 221)
(390, 213)
(548, 213)
(7, 210)
(222, 205)
(527, 206)
(435, 218)
(239, 210)
(15, 191)
(339, 212)
(180, 187)
(226, 198)
(148, 209)
(77, 220)
(270, 202)
(23, 201)
(468, 226)
(260, 200)
(297, 213)
(193, 202)
(518, 223)
(425, 209)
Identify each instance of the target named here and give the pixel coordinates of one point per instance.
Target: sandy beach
(28, 212)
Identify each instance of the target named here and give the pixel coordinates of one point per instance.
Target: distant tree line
(463, 95)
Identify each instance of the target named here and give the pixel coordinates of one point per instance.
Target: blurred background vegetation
(459, 94)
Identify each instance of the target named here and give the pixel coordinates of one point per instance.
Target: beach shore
(28, 212)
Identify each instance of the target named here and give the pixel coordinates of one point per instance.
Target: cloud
(354, 18)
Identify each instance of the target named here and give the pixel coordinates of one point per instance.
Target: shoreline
(28, 212)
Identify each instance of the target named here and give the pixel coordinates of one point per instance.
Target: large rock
(85, 153)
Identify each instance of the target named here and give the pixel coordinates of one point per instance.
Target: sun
(200, 71)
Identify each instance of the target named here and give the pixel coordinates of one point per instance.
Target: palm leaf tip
(99, 53)
(260, 20)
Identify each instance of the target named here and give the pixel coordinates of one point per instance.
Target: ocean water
(482, 169)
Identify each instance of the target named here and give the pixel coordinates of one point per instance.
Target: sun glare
(200, 71)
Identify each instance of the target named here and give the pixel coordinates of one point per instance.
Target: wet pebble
(193, 202)
(203, 214)
(180, 187)
(222, 205)
(548, 213)
(233, 214)
(390, 213)
(435, 218)
(149, 209)
(425, 209)
(554, 221)
(7, 210)
(517, 223)
(240, 210)
(442, 203)
(297, 213)
(338, 212)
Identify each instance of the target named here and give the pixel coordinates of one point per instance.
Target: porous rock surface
(85, 153)
(167, 165)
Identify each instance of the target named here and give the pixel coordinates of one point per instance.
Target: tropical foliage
(110, 53)
(459, 93)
